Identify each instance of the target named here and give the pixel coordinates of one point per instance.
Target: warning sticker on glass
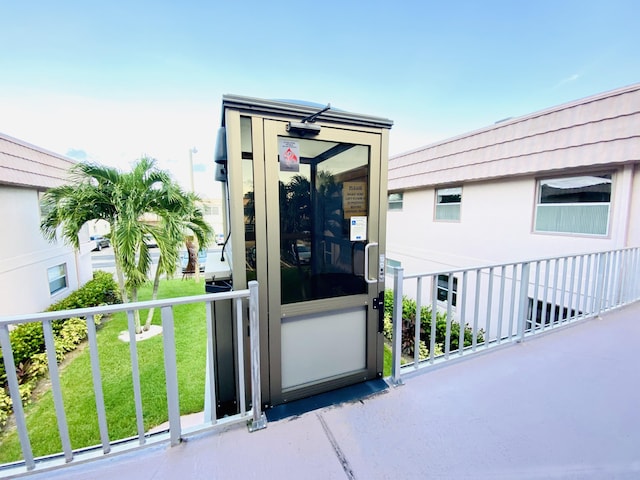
(289, 156)
(358, 229)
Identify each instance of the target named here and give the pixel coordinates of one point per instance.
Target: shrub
(101, 290)
(409, 308)
(27, 340)
(5, 406)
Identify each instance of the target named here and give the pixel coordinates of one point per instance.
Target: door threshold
(350, 393)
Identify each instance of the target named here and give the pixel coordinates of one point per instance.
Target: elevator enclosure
(305, 195)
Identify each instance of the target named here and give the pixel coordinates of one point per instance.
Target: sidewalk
(562, 406)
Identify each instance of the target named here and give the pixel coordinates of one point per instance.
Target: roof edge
(522, 118)
(285, 108)
(31, 146)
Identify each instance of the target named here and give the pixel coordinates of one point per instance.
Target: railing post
(56, 390)
(522, 304)
(171, 372)
(259, 420)
(14, 392)
(397, 326)
(600, 279)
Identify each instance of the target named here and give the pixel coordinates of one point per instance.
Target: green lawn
(115, 364)
(388, 361)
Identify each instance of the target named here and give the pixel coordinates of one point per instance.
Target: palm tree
(122, 199)
(186, 220)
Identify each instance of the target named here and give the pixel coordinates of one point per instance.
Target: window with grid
(57, 278)
(448, 201)
(574, 205)
(443, 289)
(395, 201)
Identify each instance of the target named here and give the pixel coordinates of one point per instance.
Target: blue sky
(112, 81)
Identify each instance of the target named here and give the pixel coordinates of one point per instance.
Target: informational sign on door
(354, 199)
(289, 156)
(358, 229)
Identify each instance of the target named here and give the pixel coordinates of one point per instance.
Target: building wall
(25, 256)
(597, 130)
(497, 225)
(498, 168)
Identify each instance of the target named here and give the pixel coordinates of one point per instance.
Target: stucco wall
(25, 256)
(496, 226)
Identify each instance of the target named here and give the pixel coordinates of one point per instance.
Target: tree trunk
(136, 312)
(154, 296)
(120, 276)
(192, 263)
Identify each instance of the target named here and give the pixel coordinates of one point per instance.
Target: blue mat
(334, 397)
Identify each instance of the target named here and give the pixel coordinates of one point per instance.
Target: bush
(409, 307)
(27, 340)
(101, 290)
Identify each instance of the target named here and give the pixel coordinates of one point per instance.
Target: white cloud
(569, 79)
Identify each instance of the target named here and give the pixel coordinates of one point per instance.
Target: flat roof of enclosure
(298, 109)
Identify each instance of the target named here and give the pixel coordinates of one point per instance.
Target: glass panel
(322, 186)
(449, 195)
(248, 199)
(57, 278)
(307, 362)
(448, 212)
(395, 201)
(245, 135)
(585, 219)
(586, 189)
(443, 289)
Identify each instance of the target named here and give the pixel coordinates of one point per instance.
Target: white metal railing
(504, 303)
(253, 415)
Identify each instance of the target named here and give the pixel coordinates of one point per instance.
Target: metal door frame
(337, 126)
(274, 129)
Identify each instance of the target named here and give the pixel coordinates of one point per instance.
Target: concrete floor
(560, 406)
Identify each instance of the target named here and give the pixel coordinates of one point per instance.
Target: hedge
(409, 307)
(27, 339)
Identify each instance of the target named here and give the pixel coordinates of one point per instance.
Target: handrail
(252, 415)
(121, 307)
(503, 303)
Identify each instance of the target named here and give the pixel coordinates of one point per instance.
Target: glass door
(322, 221)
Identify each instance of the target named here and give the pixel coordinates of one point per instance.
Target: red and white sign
(289, 156)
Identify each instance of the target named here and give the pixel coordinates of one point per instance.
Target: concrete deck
(564, 405)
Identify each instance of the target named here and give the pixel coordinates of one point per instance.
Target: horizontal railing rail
(252, 414)
(467, 310)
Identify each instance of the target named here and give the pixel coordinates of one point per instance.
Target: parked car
(101, 242)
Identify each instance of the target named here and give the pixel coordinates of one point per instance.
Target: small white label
(358, 229)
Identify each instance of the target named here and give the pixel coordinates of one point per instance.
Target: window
(574, 205)
(448, 203)
(395, 201)
(443, 289)
(57, 278)
(550, 313)
(44, 209)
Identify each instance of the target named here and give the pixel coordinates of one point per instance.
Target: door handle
(366, 263)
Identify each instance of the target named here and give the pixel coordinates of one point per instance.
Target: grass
(115, 365)
(387, 362)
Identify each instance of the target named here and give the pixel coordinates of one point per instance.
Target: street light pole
(191, 152)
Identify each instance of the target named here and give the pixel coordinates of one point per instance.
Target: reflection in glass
(248, 199)
(317, 257)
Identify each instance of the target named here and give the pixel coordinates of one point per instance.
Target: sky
(109, 82)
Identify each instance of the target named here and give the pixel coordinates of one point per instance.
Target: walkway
(561, 406)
